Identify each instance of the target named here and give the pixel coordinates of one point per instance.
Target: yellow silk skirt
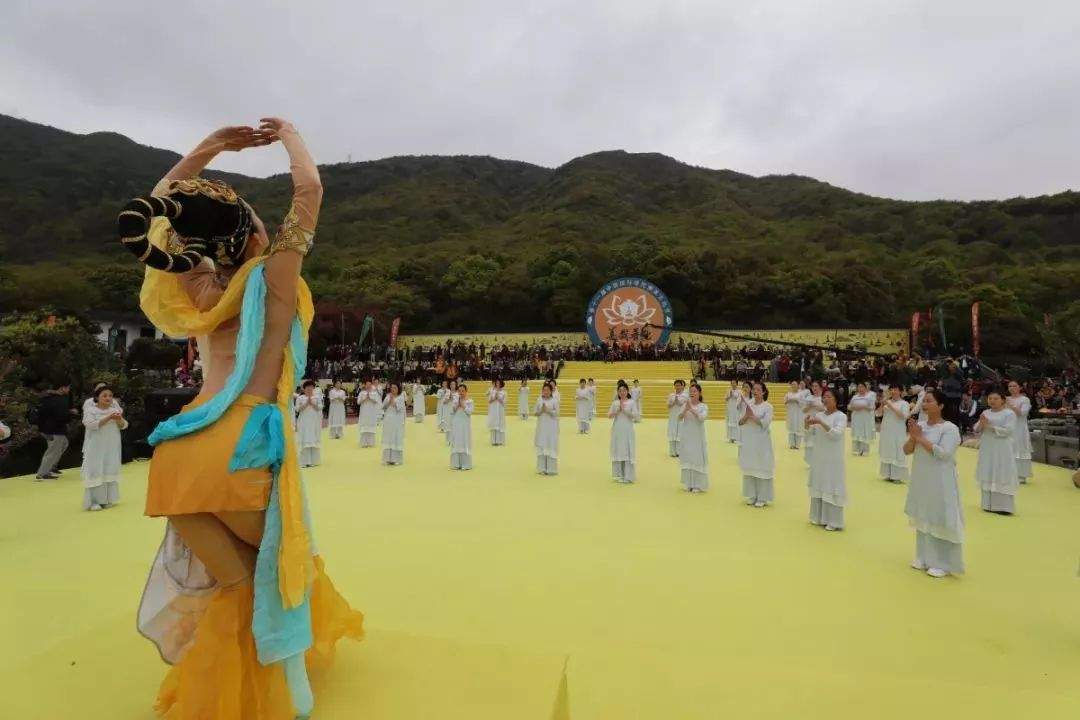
(220, 676)
(190, 474)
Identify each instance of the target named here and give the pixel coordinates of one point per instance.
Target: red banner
(915, 327)
(975, 329)
(394, 331)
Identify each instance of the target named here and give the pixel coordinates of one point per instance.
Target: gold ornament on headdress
(173, 243)
(214, 189)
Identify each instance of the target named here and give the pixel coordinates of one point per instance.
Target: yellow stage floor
(479, 586)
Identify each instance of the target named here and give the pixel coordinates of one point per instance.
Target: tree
(117, 285)
(1063, 335)
(50, 348)
(1008, 334)
(471, 279)
(39, 349)
(153, 354)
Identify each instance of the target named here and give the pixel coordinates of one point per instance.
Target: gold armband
(290, 236)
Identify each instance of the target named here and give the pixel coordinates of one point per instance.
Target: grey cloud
(960, 99)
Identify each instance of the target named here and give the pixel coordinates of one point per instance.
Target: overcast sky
(910, 99)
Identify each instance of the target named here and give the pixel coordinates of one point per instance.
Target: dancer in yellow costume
(237, 600)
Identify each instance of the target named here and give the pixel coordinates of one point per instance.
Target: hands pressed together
(914, 429)
(234, 138)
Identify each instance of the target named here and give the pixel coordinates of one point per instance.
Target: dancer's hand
(275, 126)
(234, 138)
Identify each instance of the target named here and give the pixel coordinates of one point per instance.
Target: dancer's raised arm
(307, 188)
(287, 251)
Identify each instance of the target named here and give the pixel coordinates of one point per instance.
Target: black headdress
(208, 219)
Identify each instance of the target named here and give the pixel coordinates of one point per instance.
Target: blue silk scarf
(281, 634)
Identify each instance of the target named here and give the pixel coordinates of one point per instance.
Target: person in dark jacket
(953, 387)
(54, 412)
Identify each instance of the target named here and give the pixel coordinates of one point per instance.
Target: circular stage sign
(629, 311)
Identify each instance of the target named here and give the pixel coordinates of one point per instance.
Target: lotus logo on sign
(629, 312)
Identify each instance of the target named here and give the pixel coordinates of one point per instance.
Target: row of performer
(933, 501)
(1004, 447)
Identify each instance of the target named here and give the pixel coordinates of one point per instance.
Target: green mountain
(469, 243)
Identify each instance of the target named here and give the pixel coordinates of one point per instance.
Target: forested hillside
(475, 243)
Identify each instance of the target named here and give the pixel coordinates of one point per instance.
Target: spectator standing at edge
(54, 411)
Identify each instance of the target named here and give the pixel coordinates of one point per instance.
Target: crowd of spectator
(964, 379)
(716, 361)
(431, 364)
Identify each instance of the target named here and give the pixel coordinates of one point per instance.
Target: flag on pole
(975, 329)
(941, 327)
(394, 330)
(369, 322)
